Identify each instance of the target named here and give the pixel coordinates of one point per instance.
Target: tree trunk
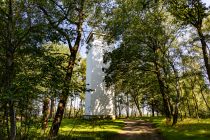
(177, 86)
(188, 106)
(127, 107)
(119, 109)
(115, 105)
(70, 108)
(58, 116)
(195, 99)
(12, 120)
(69, 71)
(52, 106)
(162, 91)
(196, 104)
(153, 105)
(153, 109)
(6, 120)
(45, 112)
(63, 99)
(204, 50)
(137, 105)
(201, 91)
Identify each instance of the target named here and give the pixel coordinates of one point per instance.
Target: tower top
(92, 34)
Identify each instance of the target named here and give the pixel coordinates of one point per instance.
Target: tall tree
(17, 28)
(193, 12)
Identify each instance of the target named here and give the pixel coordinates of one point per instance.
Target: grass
(90, 129)
(188, 129)
(79, 129)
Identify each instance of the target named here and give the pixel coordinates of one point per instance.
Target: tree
(17, 28)
(193, 13)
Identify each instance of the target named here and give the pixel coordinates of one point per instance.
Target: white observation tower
(99, 101)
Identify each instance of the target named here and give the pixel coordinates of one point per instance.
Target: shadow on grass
(89, 125)
(78, 129)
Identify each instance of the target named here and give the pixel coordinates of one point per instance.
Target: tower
(99, 100)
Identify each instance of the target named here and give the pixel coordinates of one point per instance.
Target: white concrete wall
(99, 101)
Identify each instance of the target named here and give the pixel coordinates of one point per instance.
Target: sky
(207, 2)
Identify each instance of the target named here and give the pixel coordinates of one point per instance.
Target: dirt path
(138, 130)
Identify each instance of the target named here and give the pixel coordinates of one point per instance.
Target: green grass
(79, 129)
(89, 129)
(188, 129)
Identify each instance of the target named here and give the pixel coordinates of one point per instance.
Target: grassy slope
(188, 129)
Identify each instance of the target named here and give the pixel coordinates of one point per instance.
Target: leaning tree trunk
(161, 83)
(136, 101)
(63, 99)
(69, 71)
(162, 91)
(204, 50)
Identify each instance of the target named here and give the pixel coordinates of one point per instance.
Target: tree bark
(45, 112)
(63, 99)
(177, 86)
(204, 50)
(52, 106)
(70, 108)
(65, 92)
(162, 91)
(162, 86)
(201, 91)
(137, 105)
(127, 106)
(12, 120)
(153, 109)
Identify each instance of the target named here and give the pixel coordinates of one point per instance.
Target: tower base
(109, 117)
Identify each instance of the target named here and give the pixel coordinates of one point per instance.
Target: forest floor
(138, 130)
(143, 128)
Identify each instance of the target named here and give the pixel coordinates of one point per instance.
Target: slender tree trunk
(70, 108)
(119, 109)
(153, 109)
(52, 106)
(6, 118)
(137, 105)
(176, 109)
(127, 106)
(115, 105)
(204, 49)
(45, 112)
(188, 106)
(12, 120)
(201, 91)
(194, 98)
(196, 104)
(153, 105)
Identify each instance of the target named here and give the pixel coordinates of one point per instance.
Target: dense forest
(160, 64)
